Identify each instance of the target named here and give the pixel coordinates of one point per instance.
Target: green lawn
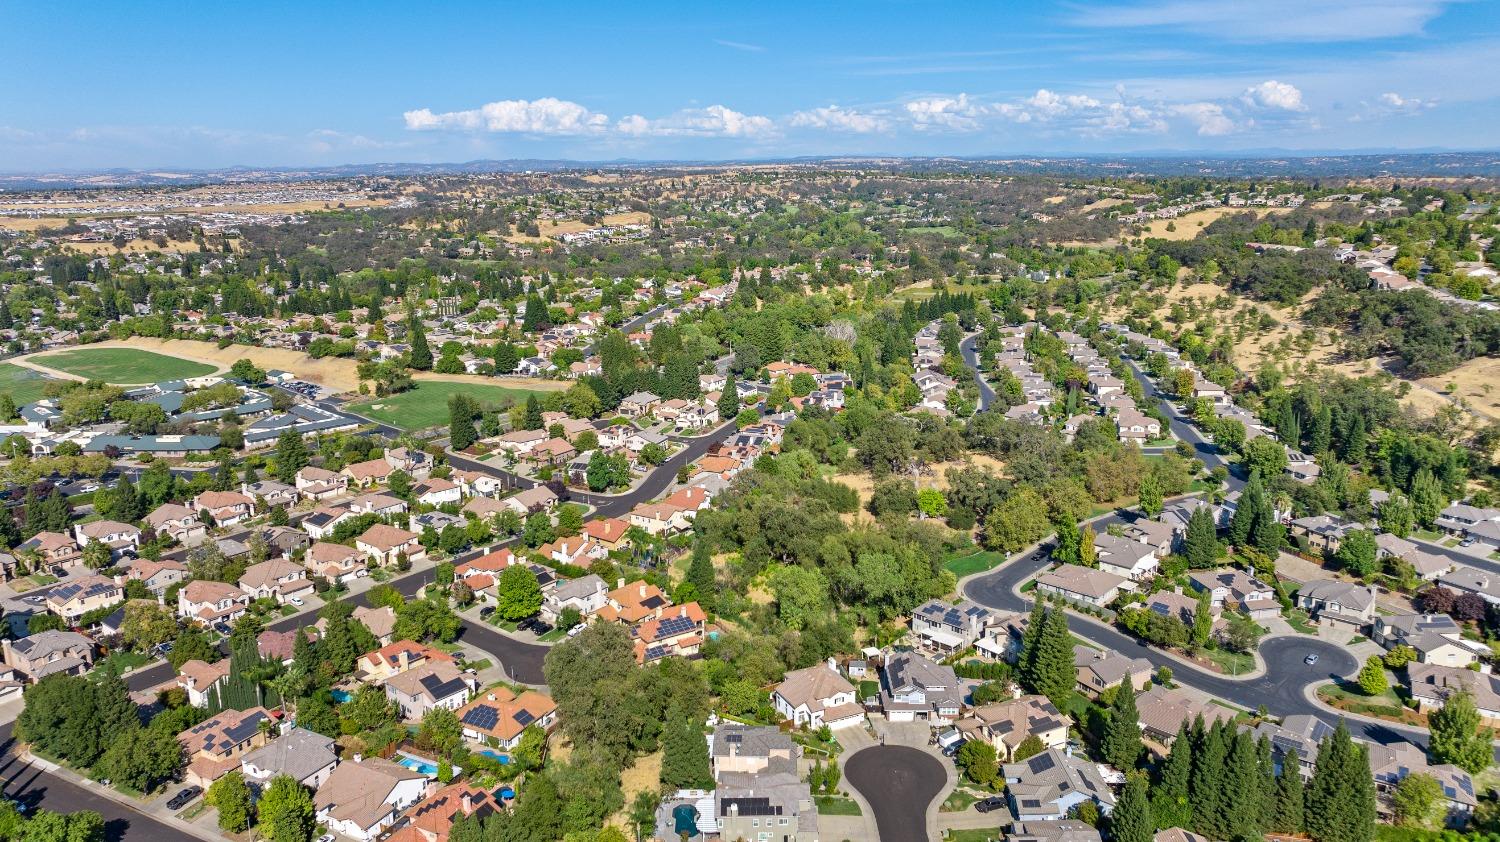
(940, 230)
(1298, 620)
(22, 384)
(1232, 663)
(974, 562)
(833, 805)
(975, 835)
(123, 365)
(426, 404)
(120, 663)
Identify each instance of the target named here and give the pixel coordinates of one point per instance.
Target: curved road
(971, 358)
(898, 782)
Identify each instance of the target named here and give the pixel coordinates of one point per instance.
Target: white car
(295, 600)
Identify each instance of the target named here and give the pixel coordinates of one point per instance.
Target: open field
(426, 404)
(22, 384)
(1476, 382)
(552, 228)
(1189, 225)
(121, 366)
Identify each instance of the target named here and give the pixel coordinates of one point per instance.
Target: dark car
(183, 797)
(994, 802)
(540, 627)
(527, 624)
(485, 612)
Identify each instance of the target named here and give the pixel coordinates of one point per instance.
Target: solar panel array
(524, 718)
(483, 717)
(672, 626)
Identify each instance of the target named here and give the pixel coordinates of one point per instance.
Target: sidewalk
(157, 813)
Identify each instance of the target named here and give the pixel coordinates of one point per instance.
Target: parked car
(1311, 659)
(994, 802)
(183, 797)
(295, 600)
(485, 612)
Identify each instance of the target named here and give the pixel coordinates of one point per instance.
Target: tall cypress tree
(685, 756)
(1210, 760)
(1122, 735)
(1288, 817)
(1245, 510)
(1201, 545)
(421, 353)
(1055, 674)
(1243, 790)
(1340, 804)
(1131, 819)
(1170, 800)
(700, 573)
(1265, 775)
(1031, 643)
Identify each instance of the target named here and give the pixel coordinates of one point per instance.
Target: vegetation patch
(22, 384)
(123, 365)
(426, 404)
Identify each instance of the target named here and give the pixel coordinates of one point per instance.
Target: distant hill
(1265, 164)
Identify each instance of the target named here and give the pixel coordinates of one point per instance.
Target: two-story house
(214, 746)
(362, 797)
(119, 537)
(210, 602)
(817, 696)
(76, 597)
(48, 653)
(225, 508)
(178, 522)
(435, 684)
(320, 483)
(916, 688)
(277, 579)
(500, 715)
(385, 544)
(948, 627)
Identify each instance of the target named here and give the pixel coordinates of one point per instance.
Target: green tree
(421, 352)
(291, 455)
(1151, 495)
(286, 811)
(1456, 737)
(1122, 733)
(684, 763)
(1341, 797)
(1357, 553)
(1029, 747)
(1397, 516)
(729, 403)
(1416, 800)
(532, 417)
(1131, 819)
(1289, 796)
(141, 758)
(231, 797)
(1170, 803)
(517, 594)
(1427, 497)
(978, 761)
(1372, 678)
(1019, 521)
(700, 573)
(1049, 669)
(1201, 544)
(461, 431)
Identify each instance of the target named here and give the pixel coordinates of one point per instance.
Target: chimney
(358, 757)
(642, 589)
(404, 659)
(467, 803)
(620, 582)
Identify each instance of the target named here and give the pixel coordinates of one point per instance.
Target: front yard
(975, 562)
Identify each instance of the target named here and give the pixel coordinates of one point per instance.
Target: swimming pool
(496, 756)
(340, 696)
(417, 765)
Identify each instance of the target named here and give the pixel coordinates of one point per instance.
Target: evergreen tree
(1203, 619)
(700, 574)
(506, 358)
(1244, 792)
(1170, 799)
(291, 456)
(1245, 511)
(1066, 551)
(1030, 643)
(729, 402)
(1151, 495)
(1210, 758)
(1288, 817)
(533, 417)
(1122, 734)
(1053, 672)
(1340, 800)
(1456, 737)
(1131, 819)
(684, 763)
(1201, 545)
(421, 354)
(461, 431)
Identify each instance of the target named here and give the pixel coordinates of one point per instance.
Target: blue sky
(191, 84)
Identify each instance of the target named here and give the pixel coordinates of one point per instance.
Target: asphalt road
(898, 782)
(33, 786)
(971, 358)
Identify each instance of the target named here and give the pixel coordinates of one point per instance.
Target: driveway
(899, 783)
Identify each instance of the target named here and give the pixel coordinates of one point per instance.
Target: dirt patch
(1102, 204)
(548, 229)
(1476, 381)
(1189, 225)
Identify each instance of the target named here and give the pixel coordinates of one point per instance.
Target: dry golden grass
(1101, 205)
(132, 247)
(1476, 381)
(644, 775)
(550, 228)
(1188, 226)
(33, 223)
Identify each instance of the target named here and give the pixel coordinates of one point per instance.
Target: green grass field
(123, 365)
(426, 404)
(22, 384)
(974, 562)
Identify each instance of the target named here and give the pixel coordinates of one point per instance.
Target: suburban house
(916, 688)
(1338, 603)
(1431, 685)
(321, 522)
(119, 537)
(378, 666)
(320, 484)
(658, 518)
(1465, 579)
(278, 579)
(608, 532)
(1459, 518)
(436, 492)
(946, 627)
(335, 562)
(817, 696)
(586, 595)
(377, 503)
(432, 818)
(1100, 670)
(501, 715)
(214, 746)
(1391, 764)
(54, 549)
(1237, 590)
(386, 543)
(1436, 638)
(1125, 558)
(198, 678)
(211, 602)
(678, 630)
(1083, 584)
(1162, 712)
(76, 597)
(306, 756)
(752, 749)
(178, 522)
(638, 404)
(271, 492)
(748, 803)
(1047, 786)
(361, 798)
(1428, 566)
(225, 508)
(366, 474)
(157, 576)
(48, 653)
(528, 500)
(1006, 725)
(634, 602)
(435, 684)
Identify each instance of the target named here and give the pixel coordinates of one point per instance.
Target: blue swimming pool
(496, 756)
(418, 765)
(340, 696)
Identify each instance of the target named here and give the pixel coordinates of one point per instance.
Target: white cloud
(1209, 117)
(545, 116)
(1274, 94)
(1084, 113)
(740, 45)
(1399, 102)
(835, 118)
(713, 121)
(1271, 20)
(944, 112)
